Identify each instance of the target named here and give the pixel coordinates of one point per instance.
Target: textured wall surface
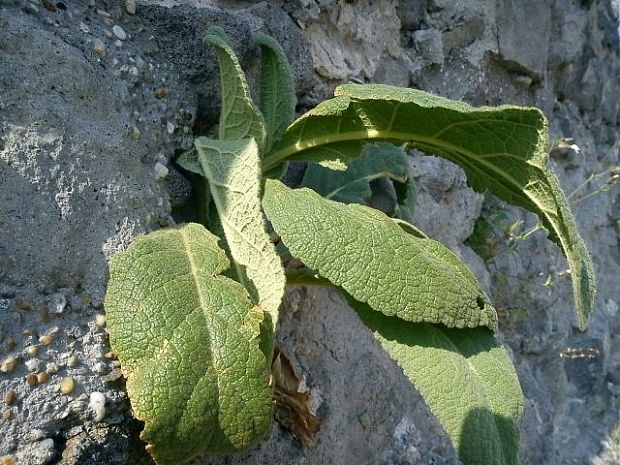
(91, 119)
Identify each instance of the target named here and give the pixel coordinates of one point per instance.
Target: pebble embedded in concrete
(8, 365)
(10, 397)
(59, 302)
(99, 47)
(97, 405)
(33, 364)
(130, 6)
(67, 385)
(119, 32)
(160, 170)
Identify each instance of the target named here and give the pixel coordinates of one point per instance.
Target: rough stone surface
(85, 119)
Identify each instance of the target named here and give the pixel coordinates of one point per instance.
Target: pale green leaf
(353, 184)
(189, 161)
(370, 256)
(188, 342)
(239, 118)
(466, 378)
(233, 169)
(277, 90)
(501, 149)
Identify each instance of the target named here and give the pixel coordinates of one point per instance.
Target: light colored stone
(119, 32)
(99, 47)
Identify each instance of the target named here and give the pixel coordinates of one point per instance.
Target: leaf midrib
(194, 272)
(276, 157)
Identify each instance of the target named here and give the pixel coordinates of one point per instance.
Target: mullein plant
(192, 310)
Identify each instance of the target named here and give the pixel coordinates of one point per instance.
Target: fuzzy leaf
(277, 90)
(503, 150)
(239, 118)
(188, 342)
(465, 377)
(189, 161)
(233, 170)
(353, 185)
(372, 258)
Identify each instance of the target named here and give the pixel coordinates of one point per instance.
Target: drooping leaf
(503, 150)
(233, 169)
(277, 90)
(239, 118)
(353, 184)
(188, 342)
(189, 161)
(370, 256)
(465, 377)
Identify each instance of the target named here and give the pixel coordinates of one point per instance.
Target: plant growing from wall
(192, 312)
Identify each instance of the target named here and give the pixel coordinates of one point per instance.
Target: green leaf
(188, 342)
(501, 149)
(405, 198)
(353, 185)
(189, 161)
(233, 169)
(239, 118)
(370, 256)
(277, 90)
(466, 378)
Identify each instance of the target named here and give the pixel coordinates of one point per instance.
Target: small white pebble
(160, 170)
(100, 368)
(119, 32)
(99, 47)
(100, 320)
(52, 368)
(33, 364)
(84, 28)
(133, 71)
(59, 302)
(170, 127)
(36, 434)
(52, 331)
(97, 405)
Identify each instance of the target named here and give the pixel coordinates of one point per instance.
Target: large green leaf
(466, 378)
(375, 260)
(188, 342)
(353, 184)
(501, 149)
(239, 118)
(233, 170)
(277, 90)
